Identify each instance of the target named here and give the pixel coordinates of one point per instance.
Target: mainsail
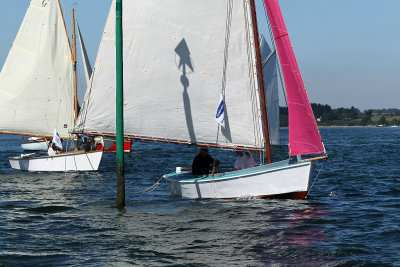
(304, 137)
(175, 69)
(269, 65)
(36, 87)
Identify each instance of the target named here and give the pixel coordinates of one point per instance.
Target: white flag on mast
(57, 139)
(220, 117)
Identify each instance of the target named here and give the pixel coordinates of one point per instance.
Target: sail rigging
(304, 137)
(36, 85)
(173, 68)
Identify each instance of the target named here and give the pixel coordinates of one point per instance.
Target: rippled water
(351, 216)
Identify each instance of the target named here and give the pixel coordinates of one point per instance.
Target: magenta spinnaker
(304, 137)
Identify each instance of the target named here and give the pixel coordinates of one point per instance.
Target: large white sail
(36, 87)
(177, 62)
(271, 91)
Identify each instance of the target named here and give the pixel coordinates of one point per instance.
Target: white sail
(85, 58)
(271, 91)
(174, 73)
(36, 88)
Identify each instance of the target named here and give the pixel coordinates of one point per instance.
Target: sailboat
(394, 123)
(179, 60)
(106, 144)
(38, 88)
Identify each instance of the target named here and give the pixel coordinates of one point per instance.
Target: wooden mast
(260, 81)
(76, 105)
(65, 26)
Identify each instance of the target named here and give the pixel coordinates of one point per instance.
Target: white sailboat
(37, 87)
(40, 143)
(179, 60)
(35, 144)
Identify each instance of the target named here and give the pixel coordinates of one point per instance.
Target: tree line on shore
(325, 115)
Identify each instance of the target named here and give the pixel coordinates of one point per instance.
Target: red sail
(304, 137)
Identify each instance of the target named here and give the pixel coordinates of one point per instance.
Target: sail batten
(173, 71)
(304, 137)
(36, 80)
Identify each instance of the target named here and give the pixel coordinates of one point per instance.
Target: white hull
(74, 161)
(36, 146)
(279, 179)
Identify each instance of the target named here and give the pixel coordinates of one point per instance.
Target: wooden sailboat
(40, 143)
(178, 61)
(282, 179)
(38, 88)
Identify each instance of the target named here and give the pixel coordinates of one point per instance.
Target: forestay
(174, 73)
(268, 58)
(36, 79)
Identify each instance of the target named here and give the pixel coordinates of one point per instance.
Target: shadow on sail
(184, 54)
(226, 131)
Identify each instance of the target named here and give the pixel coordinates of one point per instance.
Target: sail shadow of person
(182, 50)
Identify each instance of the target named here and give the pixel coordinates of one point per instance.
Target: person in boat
(89, 145)
(244, 160)
(56, 149)
(51, 151)
(203, 162)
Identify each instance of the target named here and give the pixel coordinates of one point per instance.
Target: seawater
(351, 217)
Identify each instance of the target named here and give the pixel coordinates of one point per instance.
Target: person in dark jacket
(203, 162)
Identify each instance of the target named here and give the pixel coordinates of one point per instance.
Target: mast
(120, 107)
(76, 105)
(65, 26)
(261, 81)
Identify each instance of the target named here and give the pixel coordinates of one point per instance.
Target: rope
(226, 53)
(226, 50)
(98, 176)
(150, 188)
(258, 136)
(316, 177)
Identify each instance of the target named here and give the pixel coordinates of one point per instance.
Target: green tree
(382, 120)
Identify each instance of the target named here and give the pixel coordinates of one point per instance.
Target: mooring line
(150, 188)
(316, 177)
(98, 176)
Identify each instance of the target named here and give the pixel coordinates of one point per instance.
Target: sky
(347, 50)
